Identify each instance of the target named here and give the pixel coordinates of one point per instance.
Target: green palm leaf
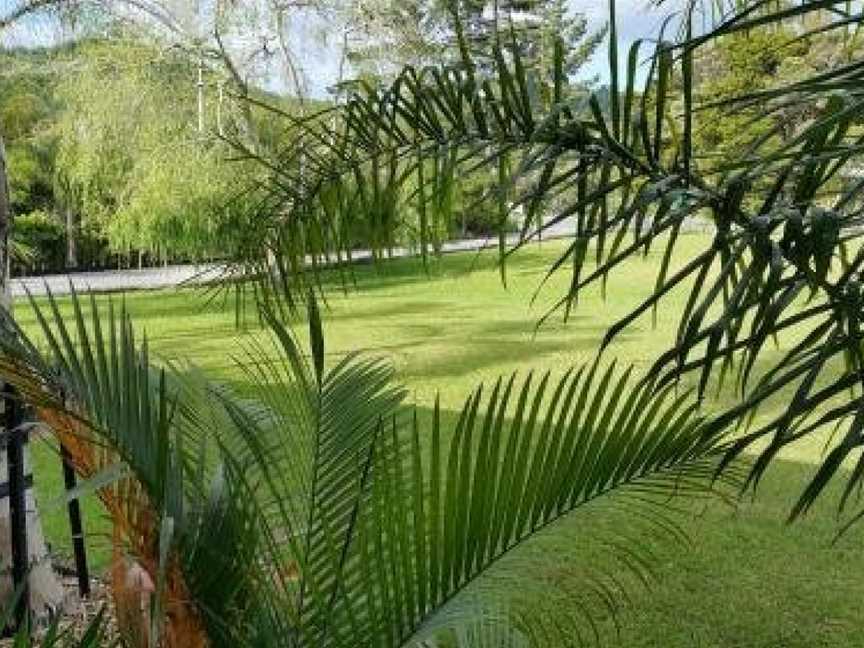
(317, 512)
(786, 213)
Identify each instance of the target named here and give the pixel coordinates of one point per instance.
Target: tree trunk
(71, 239)
(46, 593)
(5, 226)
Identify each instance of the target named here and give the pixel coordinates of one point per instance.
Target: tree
(385, 37)
(245, 42)
(315, 509)
(27, 111)
(759, 59)
(45, 589)
(786, 214)
(132, 159)
(538, 31)
(382, 37)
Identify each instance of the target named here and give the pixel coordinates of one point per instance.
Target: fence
(14, 437)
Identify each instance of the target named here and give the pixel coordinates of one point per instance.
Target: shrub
(39, 242)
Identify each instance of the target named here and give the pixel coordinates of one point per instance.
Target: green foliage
(39, 241)
(26, 112)
(318, 471)
(741, 63)
(27, 177)
(476, 210)
(179, 203)
(131, 156)
(107, 130)
(21, 113)
(786, 209)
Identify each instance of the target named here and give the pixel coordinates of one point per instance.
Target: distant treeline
(114, 161)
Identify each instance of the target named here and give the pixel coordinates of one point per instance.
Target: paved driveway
(172, 276)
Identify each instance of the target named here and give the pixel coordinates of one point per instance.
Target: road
(176, 275)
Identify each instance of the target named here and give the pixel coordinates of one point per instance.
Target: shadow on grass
(744, 578)
(399, 307)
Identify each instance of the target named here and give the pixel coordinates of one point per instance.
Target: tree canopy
(131, 155)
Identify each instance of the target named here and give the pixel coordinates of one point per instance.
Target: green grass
(747, 580)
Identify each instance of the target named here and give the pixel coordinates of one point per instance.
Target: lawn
(746, 578)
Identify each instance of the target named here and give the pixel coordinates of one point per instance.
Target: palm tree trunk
(46, 593)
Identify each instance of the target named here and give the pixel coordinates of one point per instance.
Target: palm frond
(94, 634)
(786, 214)
(443, 511)
(319, 513)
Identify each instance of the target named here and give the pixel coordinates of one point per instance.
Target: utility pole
(200, 92)
(199, 39)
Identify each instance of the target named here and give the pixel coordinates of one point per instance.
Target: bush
(38, 242)
(477, 211)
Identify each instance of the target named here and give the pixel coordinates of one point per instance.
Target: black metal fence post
(75, 525)
(17, 502)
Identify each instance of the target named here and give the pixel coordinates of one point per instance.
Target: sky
(320, 58)
(636, 19)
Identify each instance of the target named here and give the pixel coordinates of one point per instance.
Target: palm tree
(785, 257)
(318, 510)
